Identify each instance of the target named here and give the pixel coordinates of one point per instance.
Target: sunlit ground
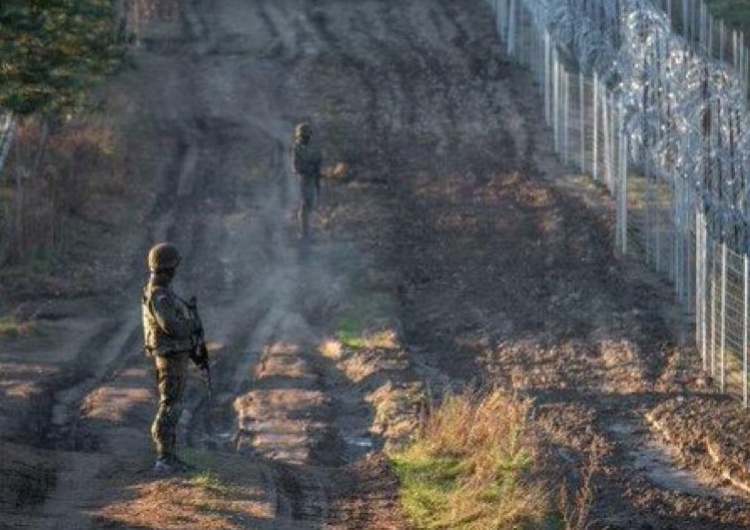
(228, 493)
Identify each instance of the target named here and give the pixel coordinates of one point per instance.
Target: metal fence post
(700, 286)
(685, 19)
(512, 29)
(556, 100)
(623, 172)
(606, 129)
(582, 105)
(678, 240)
(499, 17)
(656, 226)
(547, 94)
(744, 329)
(613, 151)
(595, 144)
(723, 337)
(566, 115)
(713, 317)
(690, 257)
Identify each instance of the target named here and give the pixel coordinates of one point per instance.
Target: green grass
(209, 481)
(205, 475)
(365, 324)
(350, 334)
(428, 483)
(10, 328)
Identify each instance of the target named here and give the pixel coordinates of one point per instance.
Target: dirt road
(448, 232)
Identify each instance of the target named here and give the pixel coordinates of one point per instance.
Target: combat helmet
(302, 131)
(162, 257)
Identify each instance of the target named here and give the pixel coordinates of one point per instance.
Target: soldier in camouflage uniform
(169, 333)
(306, 161)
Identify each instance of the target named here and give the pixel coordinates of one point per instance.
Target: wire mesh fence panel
(718, 313)
(650, 228)
(688, 293)
(526, 45)
(733, 318)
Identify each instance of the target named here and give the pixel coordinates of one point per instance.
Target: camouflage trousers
(308, 187)
(171, 375)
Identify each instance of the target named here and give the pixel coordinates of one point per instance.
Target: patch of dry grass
(174, 503)
(368, 339)
(397, 407)
(470, 467)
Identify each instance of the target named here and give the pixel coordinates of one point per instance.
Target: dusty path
(455, 235)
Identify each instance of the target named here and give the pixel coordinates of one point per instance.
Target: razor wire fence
(667, 131)
(712, 36)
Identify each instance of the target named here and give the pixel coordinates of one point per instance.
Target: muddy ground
(448, 234)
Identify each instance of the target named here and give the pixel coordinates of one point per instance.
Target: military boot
(165, 466)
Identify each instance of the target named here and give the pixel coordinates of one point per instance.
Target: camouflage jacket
(306, 160)
(167, 326)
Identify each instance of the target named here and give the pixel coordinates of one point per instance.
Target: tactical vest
(306, 160)
(156, 340)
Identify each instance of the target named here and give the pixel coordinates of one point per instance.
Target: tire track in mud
(308, 437)
(282, 412)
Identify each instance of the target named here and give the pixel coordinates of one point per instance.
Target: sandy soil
(447, 231)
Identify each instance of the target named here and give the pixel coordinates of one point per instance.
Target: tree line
(52, 53)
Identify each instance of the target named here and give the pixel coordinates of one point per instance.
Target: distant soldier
(170, 339)
(306, 161)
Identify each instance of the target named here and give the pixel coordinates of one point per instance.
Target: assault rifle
(199, 355)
